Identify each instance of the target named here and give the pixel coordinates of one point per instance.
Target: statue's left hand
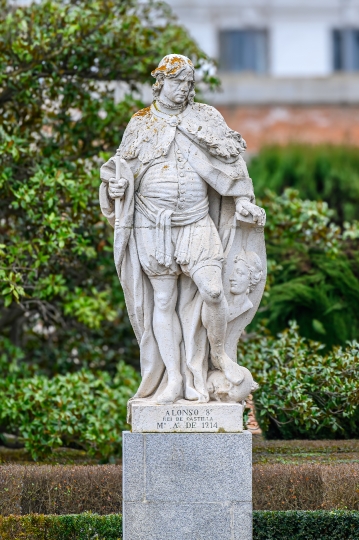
(245, 207)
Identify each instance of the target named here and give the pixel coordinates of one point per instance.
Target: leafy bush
(329, 173)
(313, 270)
(83, 409)
(60, 300)
(300, 525)
(75, 527)
(303, 393)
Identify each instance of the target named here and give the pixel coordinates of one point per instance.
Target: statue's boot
(171, 393)
(231, 370)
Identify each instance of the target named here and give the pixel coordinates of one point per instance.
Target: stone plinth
(186, 417)
(187, 486)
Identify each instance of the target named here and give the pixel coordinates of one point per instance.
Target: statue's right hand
(117, 188)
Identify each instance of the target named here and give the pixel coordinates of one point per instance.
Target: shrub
(84, 409)
(73, 527)
(329, 173)
(303, 394)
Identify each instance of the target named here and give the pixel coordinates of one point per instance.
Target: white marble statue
(189, 243)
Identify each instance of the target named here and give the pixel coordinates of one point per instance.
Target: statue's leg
(214, 316)
(167, 330)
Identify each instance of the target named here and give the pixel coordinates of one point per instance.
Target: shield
(241, 237)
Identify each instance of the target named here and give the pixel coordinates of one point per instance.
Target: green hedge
(318, 172)
(73, 527)
(298, 525)
(305, 525)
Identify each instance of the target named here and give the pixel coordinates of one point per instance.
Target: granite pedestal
(187, 486)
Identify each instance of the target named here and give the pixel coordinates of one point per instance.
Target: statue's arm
(242, 189)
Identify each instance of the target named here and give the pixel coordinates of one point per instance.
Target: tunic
(173, 185)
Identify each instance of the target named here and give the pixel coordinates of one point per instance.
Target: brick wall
(314, 124)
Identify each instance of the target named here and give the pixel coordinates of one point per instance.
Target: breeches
(198, 244)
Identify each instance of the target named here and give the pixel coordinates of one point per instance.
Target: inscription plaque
(187, 418)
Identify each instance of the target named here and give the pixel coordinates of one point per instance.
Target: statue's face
(176, 89)
(240, 278)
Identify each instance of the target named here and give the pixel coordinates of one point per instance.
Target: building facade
(289, 68)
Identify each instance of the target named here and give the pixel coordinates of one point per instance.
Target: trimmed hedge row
(289, 525)
(306, 525)
(64, 490)
(72, 527)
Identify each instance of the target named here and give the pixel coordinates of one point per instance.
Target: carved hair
(254, 265)
(170, 67)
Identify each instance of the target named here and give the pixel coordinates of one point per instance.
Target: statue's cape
(150, 133)
(213, 151)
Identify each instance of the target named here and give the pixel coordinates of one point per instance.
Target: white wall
(300, 49)
(299, 30)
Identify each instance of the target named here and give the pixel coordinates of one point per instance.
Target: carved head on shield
(247, 273)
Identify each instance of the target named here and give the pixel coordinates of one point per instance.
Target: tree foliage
(60, 300)
(313, 270)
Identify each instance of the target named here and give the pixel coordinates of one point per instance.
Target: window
(346, 49)
(243, 50)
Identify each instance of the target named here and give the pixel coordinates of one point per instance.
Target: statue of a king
(180, 199)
